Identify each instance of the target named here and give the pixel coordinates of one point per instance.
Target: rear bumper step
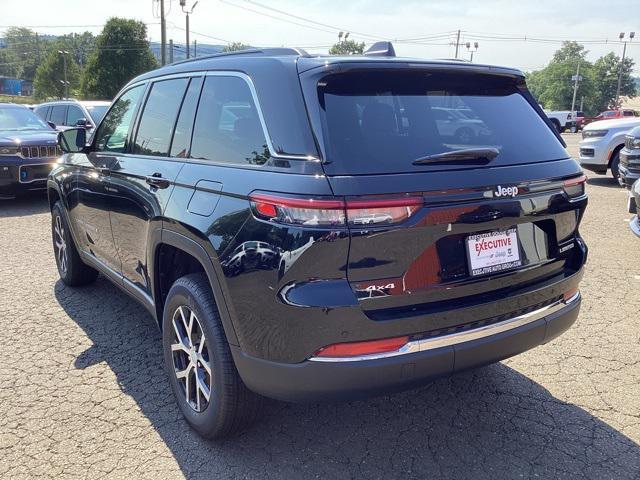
(314, 380)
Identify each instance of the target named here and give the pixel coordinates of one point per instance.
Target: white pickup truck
(563, 120)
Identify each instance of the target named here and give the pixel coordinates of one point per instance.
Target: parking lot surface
(83, 394)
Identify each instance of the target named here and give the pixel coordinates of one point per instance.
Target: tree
(122, 52)
(234, 47)
(553, 85)
(80, 45)
(606, 78)
(49, 80)
(347, 47)
(26, 49)
(9, 64)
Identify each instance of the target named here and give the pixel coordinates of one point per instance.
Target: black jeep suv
(312, 227)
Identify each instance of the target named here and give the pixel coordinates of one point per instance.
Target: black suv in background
(28, 151)
(311, 227)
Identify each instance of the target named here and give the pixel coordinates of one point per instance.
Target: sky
(418, 28)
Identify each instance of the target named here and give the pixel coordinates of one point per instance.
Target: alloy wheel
(60, 244)
(191, 361)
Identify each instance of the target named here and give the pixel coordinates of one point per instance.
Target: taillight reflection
(575, 187)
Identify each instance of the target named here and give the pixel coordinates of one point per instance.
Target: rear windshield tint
(381, 121)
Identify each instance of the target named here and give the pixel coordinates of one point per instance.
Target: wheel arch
(167, 243)
(613, 153)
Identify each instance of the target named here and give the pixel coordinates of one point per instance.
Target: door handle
(157, 181)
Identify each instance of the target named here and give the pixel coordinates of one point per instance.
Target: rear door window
(159, 117)
(58, 114)
(42, 112)
(381, 121)
(184, 126)
(227, 127)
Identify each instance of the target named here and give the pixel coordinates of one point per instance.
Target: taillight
(570, 294)
(574, 187)
(356, 349)
(329, 212)
(299, 210)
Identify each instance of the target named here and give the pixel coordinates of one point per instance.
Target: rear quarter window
(381, 121)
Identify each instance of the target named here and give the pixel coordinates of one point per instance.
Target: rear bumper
(314, 380)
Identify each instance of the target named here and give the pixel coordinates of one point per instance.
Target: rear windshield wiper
(486, 154)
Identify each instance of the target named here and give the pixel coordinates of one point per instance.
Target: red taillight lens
(356, 349)
(570, 294)
(574, 187)
(318, 211)
(299, 211)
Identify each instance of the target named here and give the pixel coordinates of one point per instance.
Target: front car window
(113, 131)
(97, 112)
(227, 127)
(73, 115)
(20, 118)
(381, 121)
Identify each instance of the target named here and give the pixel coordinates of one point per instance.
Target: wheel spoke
(192, 317)
(179, 347)
(202, 387)
(205, 364)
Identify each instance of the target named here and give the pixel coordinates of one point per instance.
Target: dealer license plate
(493, 252)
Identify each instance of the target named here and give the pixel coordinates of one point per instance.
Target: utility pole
(183, 4)
(64, 54)
(472, 50)
(171, 50)
(457, 43)
(195, 48)
(37, 48)
(581, 103)
(163, 35)
(576, 78)
(624, 52)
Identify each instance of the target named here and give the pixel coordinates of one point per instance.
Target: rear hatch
(433, 230)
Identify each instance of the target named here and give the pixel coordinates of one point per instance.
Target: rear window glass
(380, 122)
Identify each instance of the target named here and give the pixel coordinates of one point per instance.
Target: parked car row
(575, 121)
(28, 140)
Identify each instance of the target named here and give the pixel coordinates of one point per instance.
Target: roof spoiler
(381, 49)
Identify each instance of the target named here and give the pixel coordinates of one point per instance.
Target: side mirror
(72, 140)
(51, 124)
(84, 123)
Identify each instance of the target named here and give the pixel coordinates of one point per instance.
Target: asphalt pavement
(83, 393)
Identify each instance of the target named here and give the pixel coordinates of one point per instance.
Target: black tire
(615, 166)
(231, 405)
(556, 124)
(72, 270)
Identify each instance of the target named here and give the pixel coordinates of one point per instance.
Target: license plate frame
(493, 252)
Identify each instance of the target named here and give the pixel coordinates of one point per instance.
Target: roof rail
(263, 51)
(381, 49)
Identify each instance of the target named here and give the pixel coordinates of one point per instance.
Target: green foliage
(10, 66)
(25, 48)
(235, 46)
(122, 52)
(49, 80)
(347, 47)
(553, 87)
(606, 71)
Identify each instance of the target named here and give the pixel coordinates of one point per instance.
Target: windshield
(381, 121)
(97, 112)
(17, 118)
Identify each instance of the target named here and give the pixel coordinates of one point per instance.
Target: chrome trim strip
(460, 337)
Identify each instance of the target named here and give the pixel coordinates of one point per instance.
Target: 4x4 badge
(505, 191)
